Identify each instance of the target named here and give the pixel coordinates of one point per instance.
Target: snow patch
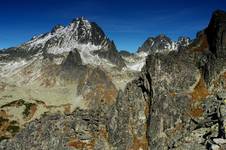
(11, 68)
(136, 66)
(67, 38)
(137, 62)
(142, 54)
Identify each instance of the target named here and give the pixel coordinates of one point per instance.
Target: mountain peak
(80, 33)
(183, 41)
(163, 44)
(160, 43)
(81, 21)
(81, 18)
(161, 36)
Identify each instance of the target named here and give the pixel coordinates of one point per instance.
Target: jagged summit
(160, 43)
(184, 41)
(163, 44)
(90, 40)
(80, 33)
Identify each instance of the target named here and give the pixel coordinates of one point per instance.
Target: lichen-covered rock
(177, 102)
(129, 117)
(79, 130)
(185, 111)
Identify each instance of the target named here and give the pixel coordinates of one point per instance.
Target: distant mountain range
(93, 45)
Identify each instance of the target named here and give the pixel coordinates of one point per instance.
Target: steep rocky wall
(178, 102)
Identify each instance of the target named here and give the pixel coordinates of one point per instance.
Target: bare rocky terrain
(71, 89)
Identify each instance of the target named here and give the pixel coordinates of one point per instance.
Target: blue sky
(128, 22)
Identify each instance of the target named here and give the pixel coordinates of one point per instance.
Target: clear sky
(127, 22)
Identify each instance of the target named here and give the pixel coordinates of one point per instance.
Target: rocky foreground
(177, 101)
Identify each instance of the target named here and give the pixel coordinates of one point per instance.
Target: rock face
(73, 59)
(216, 34)
(163, 44)
(176, 102)
(183, 42)
(186, 112)
(112, 55)
(160, 43)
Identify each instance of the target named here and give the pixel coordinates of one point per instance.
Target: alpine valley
(71, 88)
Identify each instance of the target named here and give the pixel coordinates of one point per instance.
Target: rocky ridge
(176, 102)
